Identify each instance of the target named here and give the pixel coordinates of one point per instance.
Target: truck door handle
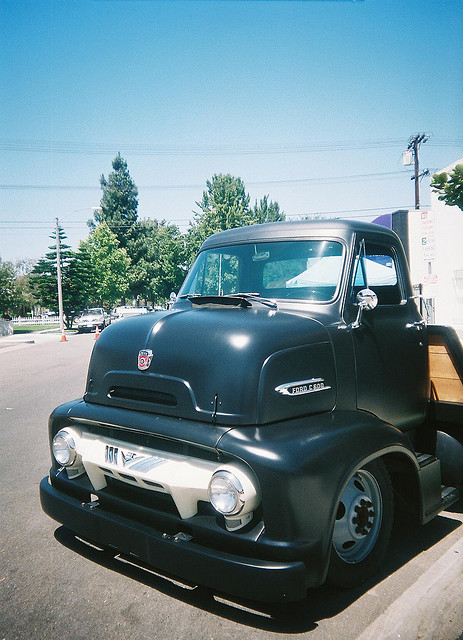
(417, 326)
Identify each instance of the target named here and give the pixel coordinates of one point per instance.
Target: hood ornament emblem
(144, 359)
(129, 457)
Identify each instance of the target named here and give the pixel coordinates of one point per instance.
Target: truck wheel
(450, 453)
(362, 529)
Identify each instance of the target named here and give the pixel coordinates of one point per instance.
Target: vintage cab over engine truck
(255, 437)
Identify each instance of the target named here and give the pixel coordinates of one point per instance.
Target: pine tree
(119, 202)
(44, 279)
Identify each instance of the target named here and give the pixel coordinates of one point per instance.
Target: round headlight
(226, 493)
(64, 448)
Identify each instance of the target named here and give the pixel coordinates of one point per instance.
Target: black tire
(450, 453)
(363, 525)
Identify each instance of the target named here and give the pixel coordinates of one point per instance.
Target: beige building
(436, 257)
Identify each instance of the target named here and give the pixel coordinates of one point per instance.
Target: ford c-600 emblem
(302, 387)
(144, 359)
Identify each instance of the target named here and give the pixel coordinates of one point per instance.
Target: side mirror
(367, 300)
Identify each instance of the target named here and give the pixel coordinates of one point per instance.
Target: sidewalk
(18, 340)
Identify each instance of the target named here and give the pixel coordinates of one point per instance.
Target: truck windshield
(287, 270)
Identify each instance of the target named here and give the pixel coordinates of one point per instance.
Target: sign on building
(428, 236)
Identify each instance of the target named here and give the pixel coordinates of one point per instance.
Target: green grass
(32, 328)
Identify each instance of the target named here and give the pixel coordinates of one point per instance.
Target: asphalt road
(54, 587)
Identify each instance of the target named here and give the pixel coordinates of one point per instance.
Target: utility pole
(426, 216)
(59, 282)
(413, 146)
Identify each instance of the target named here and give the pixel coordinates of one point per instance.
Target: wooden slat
(448, 390)
(440, 366)
(447, 383)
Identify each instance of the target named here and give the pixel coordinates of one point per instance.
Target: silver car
(90, 319)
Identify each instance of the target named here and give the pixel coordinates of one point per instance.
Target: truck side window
(377, 270)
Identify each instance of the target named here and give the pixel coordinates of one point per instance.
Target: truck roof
(293, 230)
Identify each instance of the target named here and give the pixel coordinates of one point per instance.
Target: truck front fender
(302, 467)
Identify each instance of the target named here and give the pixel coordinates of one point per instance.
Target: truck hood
(229, 366)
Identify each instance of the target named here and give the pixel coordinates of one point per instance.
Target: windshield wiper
(230, 299)
(256, 297)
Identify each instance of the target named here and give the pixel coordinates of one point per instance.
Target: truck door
(390, 343)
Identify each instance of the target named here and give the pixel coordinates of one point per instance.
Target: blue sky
(310, 102)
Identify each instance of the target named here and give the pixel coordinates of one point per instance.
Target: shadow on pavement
(325, 602)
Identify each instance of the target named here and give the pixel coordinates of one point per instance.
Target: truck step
(450, 495)
(436, 497)
(424, 459)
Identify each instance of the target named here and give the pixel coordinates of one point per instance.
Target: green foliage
(24, 299)
(16, 296)
(82, 278)
(101, 268)
(142, 258)
(119, 202)
(7, 289)
(225, 205)
(44, 284)
(449, 186)
(267, 211)
(157, 254)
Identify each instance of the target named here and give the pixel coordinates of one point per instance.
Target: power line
(27, 225)
(161, 187)
(83, 147)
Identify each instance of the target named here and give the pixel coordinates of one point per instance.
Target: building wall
(447, 265)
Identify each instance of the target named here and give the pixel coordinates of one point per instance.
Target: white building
(436, 257)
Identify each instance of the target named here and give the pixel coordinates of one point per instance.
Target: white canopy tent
(325, 272)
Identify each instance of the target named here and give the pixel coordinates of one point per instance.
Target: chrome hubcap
(358, 520)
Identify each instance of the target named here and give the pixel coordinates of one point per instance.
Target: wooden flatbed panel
(445, 364)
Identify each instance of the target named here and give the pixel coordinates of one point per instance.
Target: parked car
(90, 319)
(119, 313)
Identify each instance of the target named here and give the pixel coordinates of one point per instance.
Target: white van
(119, 313)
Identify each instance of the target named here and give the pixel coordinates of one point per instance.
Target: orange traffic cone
(97, 332)
(63, 338)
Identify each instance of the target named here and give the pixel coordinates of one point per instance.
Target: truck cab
(255, 437)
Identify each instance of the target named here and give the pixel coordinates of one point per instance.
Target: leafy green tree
(119, 202)
(24, 299)
(7, 288)
(102, 267)
(267, 211)
(157, 254)
(449, 186)
(224, 205)
(43, 279)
